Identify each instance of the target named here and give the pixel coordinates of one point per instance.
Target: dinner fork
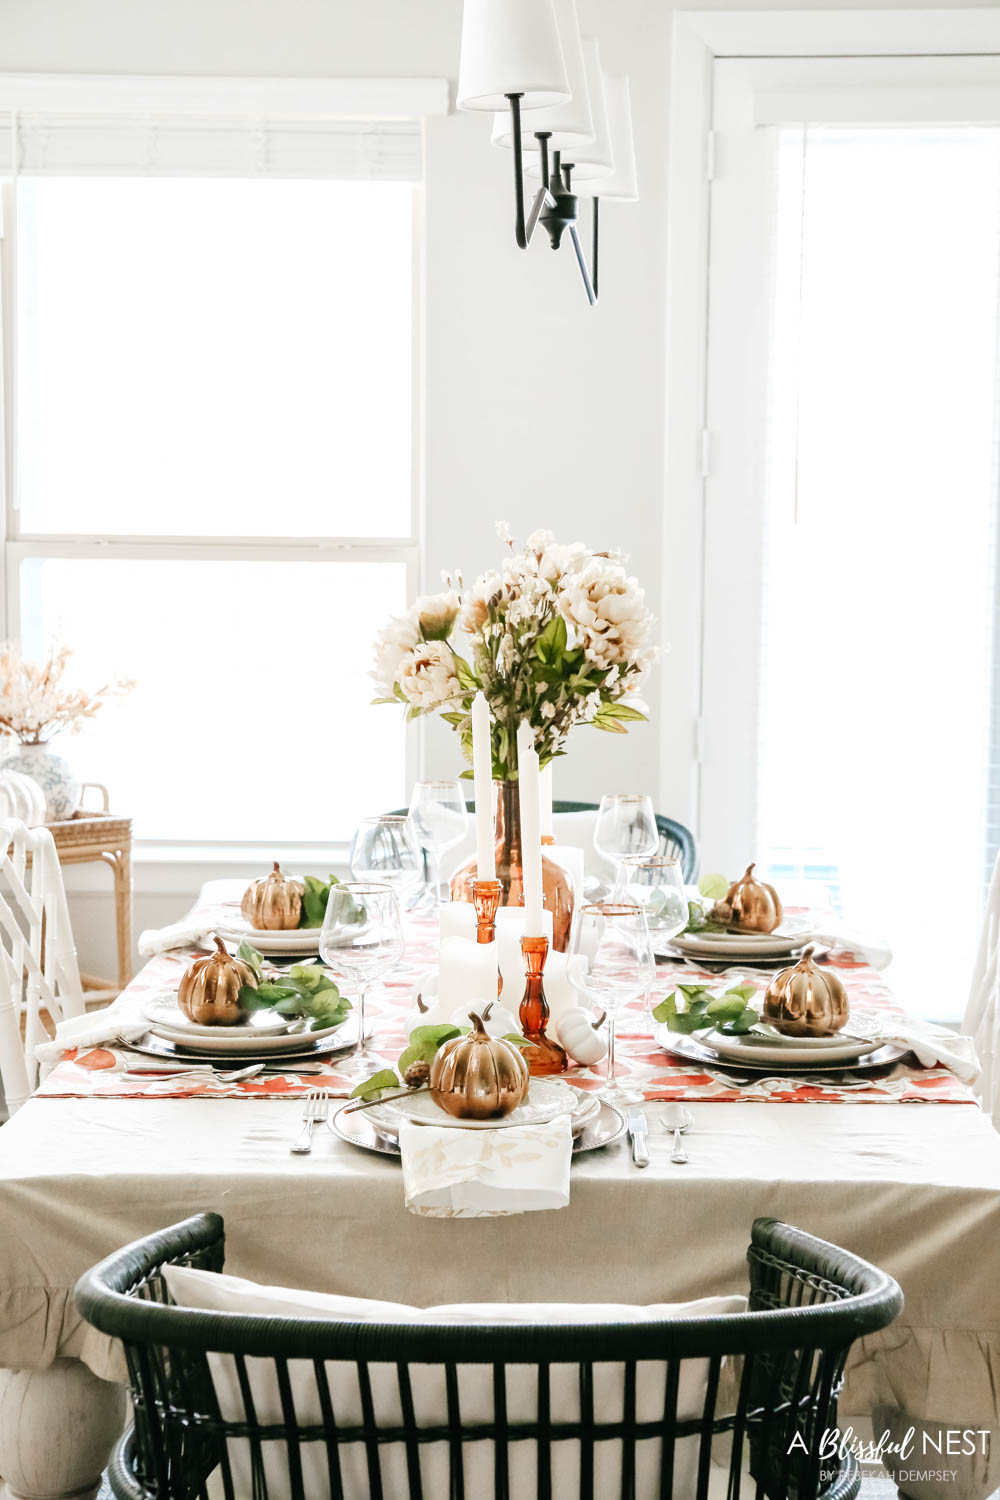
(316, 1110)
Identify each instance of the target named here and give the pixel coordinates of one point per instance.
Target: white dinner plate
(167, 1018)
(745, 944)
(547, 1097)
(220, 1041)
(739, 1049)
(699, 1050)
(295, 940)
(343, 1040)
(768, 1035)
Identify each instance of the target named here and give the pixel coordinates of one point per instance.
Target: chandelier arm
(594, 251)
(581, 261)
(520, 233)
(543, 199)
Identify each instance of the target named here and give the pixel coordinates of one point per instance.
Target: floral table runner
(640, 1060)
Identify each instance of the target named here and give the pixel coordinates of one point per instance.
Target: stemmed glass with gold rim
(613, 939)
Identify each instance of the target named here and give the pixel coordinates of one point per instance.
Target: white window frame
(267, 98)
(699, 40)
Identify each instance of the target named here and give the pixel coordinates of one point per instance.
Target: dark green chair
(765, 1410)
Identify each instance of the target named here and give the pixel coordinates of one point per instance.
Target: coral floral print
(639, 1057)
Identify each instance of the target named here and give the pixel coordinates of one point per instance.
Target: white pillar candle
(560, 991)
(545, 801)
(458, 919)
(510, 931)
(570, 856)
(482, 770)
(468, 972)
(531, 838)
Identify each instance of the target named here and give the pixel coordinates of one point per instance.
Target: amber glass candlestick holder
(543, 1055)
(486, 898)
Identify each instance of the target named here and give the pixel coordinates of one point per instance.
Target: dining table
(906, 1176)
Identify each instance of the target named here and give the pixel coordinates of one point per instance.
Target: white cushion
(220, 1293)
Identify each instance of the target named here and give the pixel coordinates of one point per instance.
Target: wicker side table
(99, 836)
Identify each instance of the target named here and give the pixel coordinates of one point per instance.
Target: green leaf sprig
(303, 990)
(729, 1013)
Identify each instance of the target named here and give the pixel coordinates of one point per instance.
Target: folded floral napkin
(187, 933)
(122, 1018)
(476, 1174)
(933, 1046)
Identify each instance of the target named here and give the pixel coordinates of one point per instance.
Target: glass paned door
(858, 481)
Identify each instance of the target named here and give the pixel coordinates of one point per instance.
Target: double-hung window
(212, 454)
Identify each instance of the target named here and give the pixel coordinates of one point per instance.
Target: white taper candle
(482, 769)
(531, 838)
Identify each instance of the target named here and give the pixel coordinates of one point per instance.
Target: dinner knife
(637, 1131)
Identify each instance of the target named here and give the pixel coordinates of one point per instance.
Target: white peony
(427, 675)
(476, 602)
(391, 644)
(605, 611)
(436, 614)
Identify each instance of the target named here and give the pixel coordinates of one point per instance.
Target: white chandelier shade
(622, 183)
(596, 156)
(511, 47)
(569, 123)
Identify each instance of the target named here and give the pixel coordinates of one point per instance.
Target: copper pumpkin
(273, 904)
(755, 907)
(806, 1000)
(478, 1076)
(209, 992)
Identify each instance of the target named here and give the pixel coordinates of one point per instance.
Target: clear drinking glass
(656, 883)
(440, 817)
(385, 850)
(626, 824)
(613, 937)
(361, 941)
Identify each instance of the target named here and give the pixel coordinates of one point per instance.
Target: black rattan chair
(674, 837)
(770, 1382)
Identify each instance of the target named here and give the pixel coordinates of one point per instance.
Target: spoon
(678, 1119)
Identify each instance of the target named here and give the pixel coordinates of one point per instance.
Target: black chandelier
(526, 61)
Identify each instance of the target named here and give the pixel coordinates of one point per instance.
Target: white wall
(539, 411)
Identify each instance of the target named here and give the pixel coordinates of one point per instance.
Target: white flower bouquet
(35, 700)
(558, 636)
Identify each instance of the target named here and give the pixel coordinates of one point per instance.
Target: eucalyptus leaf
(713, 887)
(375, 1087)
(248, 955)
(519, 1041)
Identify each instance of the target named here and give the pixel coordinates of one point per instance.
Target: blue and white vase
(53, 774)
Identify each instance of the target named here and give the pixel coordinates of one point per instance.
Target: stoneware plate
(547, 1097)
(605, 1126)
(695, 1050)
(166, 1017)
(789, 938)
(298, 940)
(741, 1048)
(316, 1045)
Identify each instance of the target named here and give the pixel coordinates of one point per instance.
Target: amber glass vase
(543, 1056)
(557, 889)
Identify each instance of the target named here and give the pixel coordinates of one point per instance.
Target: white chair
(982, 1014)
(38, 967)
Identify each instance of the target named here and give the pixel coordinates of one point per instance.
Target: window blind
(70, 145)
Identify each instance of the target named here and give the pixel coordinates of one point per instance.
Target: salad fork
(316, 1110)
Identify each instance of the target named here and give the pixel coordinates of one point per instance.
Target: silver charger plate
(354, 1127)
(695, 1051)
(343, 1040)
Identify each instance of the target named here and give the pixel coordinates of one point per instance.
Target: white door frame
(699, 38)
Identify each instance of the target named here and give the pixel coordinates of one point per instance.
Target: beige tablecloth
(916, 1190)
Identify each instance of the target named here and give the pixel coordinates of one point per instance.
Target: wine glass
(626, 824)
(440, 817)
(361, 940)
(656, 883)
(385, 850)
(613, 938)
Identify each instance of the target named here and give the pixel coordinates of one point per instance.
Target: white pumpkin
(20, 797)
(499, 1022)
(579, 1034)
